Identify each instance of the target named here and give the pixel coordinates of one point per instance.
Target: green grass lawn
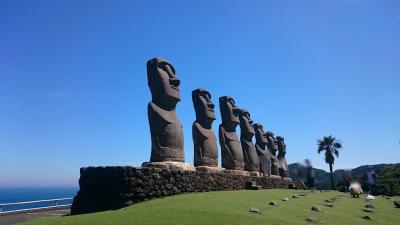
(232, 207)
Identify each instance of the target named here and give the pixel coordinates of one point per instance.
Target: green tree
(331, 146)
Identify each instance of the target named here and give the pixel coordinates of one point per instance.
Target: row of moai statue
(167, 136)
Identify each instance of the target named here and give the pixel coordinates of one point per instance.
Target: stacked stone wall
(107, 188)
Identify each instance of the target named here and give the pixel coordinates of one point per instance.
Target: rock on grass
(368, 210)
(316, 208)
(285, 199)
(366, 217)
(254, 210)
(329, 205)
(273, 203)
(311, 219)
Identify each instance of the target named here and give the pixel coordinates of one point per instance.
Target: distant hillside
(322, 179)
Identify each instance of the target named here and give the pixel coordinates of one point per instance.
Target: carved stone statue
(231, 152)
(204, 140)
(282, 163)
(262, 151)
(165, 127)
(251, 161)
(273, 147)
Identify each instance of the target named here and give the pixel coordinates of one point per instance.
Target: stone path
(20, 217)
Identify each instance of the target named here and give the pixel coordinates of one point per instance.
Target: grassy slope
(232, 207)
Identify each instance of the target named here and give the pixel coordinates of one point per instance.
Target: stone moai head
(203, 106)
(229, 111)
(261, 136)
(272, 142)
(246, 124)
(163, 83)
(281, 144)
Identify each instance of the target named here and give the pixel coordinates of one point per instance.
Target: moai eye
(169, 69)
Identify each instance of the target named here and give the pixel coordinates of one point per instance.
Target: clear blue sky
(73, 87)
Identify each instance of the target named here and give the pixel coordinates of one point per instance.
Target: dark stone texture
(231, 151)
(282, 163)
(367, 217)
(204, 140)
(252, 185)
(316, 208)
(311, 219)
(272, 146)
(250, 157)
(165, 127)
(107, 188)
(263, 153)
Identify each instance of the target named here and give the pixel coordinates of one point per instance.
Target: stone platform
(106, 188)
(170, 165)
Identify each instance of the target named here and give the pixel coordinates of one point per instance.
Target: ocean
(19, 194)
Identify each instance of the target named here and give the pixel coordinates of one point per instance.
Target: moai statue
(282, 163)
(273, 147)
(231, 152)
(250, 157)
(204, 140)
(165, 127)
(261, 147)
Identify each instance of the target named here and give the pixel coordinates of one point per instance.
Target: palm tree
(331, 146)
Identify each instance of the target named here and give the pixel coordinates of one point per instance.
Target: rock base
(255, 174)
(170, 165)
(237, 172)
(114, 187)
(210, 169)
(288, 179)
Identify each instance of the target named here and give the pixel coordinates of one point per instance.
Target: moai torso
(165, 127)
(250, 157)
(204, 140)
(261, 149)
(205, 146)
(231, 152)
(166, 132)
(282, 163)
(272, 147)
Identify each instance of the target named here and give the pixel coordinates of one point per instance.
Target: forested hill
(322, 179)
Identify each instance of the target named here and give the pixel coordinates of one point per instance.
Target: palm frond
(336, 152)
(331, 146)
(337, 145)
(321, 148)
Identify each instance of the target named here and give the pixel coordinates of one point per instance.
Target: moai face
(272, 142)
(281, 144)
(229, 111)
(246, 124)
(163, 83)
(203, 105)
(261, 136)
